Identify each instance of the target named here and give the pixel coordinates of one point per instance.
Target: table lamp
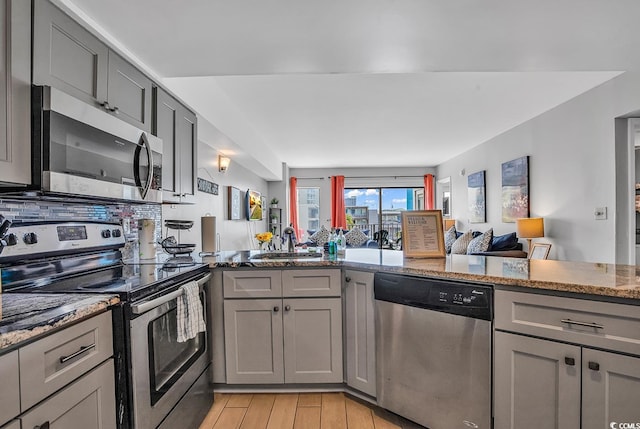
(530, 227)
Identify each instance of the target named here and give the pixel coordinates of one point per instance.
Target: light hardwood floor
(297, 411)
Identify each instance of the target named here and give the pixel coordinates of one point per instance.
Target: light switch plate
(600, 213)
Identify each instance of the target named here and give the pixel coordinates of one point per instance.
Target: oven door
(163, 369)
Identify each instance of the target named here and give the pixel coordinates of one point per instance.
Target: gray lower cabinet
(12, 425)
(177, 127)
(15, 96)
(68, 57)
(283, 326)
(359, 341)
(9, 393)
(89, 402)
(536, 384)
(548, 372)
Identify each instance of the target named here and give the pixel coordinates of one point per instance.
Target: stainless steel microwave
(82, 151)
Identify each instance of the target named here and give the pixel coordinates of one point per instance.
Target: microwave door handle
(145, 142)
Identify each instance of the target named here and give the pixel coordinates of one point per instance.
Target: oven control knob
(30, 238)
(11, 239)
(106, 233)
(116, 233)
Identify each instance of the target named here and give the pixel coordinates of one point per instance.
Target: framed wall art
(515, 189)
(235, 197)
(253, 205)
(476, 197)
(422, 234)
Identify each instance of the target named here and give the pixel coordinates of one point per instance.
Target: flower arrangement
(264, 237)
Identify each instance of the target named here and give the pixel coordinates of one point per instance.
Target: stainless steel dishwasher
(433, 350)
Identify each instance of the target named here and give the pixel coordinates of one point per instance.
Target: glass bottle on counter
(332, 242)
(341, 246)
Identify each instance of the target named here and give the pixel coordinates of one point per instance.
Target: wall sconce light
(223, 163)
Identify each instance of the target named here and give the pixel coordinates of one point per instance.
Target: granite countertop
(26, 316)
(608, 280)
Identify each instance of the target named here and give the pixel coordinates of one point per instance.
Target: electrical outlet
(600, 213)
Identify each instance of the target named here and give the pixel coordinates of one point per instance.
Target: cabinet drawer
(252, 284)
(54, 361)
(9, 400)
(87, 403)
(311, 283)
(598, 324)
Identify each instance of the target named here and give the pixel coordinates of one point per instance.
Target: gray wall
(571, 171)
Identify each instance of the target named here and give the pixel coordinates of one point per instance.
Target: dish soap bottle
(341, 245)
(332, 242)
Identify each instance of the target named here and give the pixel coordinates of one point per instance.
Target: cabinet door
(129, 91)
(610, 389)
(15, 424)
(536, 383)
(10, 388)
(187, 146)
(66, 56)
(164, 127)
(313, 340)
(359, 331)
(15, 92)
(87, 403)
(253, 341)
(311, 283)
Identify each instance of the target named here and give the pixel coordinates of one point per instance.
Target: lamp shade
(530, 227)
(448, 223)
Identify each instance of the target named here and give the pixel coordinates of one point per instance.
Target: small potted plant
(274, 218)
(274, 203)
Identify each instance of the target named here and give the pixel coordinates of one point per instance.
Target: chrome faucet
(289, 232)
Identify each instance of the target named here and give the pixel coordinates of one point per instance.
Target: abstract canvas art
(476, 197)
(515, 189)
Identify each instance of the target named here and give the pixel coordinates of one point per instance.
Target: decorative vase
(264, 246)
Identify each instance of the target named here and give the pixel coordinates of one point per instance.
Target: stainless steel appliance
(159, 381)
(83, 151)
(433, 350)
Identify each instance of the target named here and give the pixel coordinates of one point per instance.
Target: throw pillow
(459, 247)
(321, 236)
(481, 243)
(504, 242)
(450, 237)
(356, 237)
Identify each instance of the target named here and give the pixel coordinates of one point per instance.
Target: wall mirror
(444, 196)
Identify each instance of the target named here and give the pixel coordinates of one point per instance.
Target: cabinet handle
(287, 307)
(44, 425)
(115, 110)
(569, 361)
(276, 309)
(347, 279)
(106, 106)
(577, 322)
(594, 366)
(82, 350)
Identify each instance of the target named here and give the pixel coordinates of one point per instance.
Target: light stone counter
(26, 316)
(607, 280)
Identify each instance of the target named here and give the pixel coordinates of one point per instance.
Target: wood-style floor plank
(358, 415)
(381, 423)
(239, 400)
(283, 412)
(333, 411)
(258, 413)
(219, 402)
(308, 418)
(309, 399)
(230, 418)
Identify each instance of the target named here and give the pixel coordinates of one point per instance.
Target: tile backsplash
(17, 210)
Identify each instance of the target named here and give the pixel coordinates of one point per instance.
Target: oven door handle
(150, 305)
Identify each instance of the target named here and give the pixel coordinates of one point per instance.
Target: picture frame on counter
(539, 251)
(422, 234)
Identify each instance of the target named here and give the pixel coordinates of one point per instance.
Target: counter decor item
(146, 238)
(264, 238)
(173, 246)
(423, 234)
(208, 232)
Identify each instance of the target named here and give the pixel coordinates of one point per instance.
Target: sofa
(484, 244)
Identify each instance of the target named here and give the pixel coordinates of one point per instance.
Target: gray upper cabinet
(15, 92)
(177, 127)
(68, 57)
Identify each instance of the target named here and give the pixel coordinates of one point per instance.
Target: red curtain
(338, 213)
(293, 207)
(429, 192)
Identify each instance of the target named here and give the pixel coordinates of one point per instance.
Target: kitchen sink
(286, 255)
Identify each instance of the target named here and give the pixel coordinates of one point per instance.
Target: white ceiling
(332, 83)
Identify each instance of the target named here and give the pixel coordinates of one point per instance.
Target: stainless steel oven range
(160, 382)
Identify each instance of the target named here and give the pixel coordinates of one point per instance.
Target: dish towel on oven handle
(190, 318)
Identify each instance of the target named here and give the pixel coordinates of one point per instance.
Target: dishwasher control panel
(465, 295)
